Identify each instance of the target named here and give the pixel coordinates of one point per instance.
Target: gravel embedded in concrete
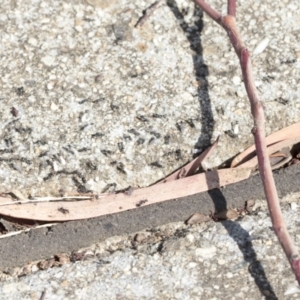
(89, 102)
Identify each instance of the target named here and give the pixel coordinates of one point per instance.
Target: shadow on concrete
(193, 34)
(243, 240)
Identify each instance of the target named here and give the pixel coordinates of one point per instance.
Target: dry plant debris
(181, 183)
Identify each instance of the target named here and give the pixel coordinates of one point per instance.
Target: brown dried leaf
(108, 204)
(197, 219)
(75, 256)
(62, 259)
(25, 271)
(191, 167)
(46, 264)
(140, 237)
(249, 205)
(278, 140)
(230, 214)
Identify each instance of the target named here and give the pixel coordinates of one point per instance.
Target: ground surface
(89, 102)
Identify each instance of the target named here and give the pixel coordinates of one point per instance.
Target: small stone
(206, 252)
(45, 20)
(31, 99)
(48, 60)
(186, 97)
(34, 268)
(50, 85)
(294, 206)
(53, 107)
(78, 28)
(236, 80)
(156, 256)
(249, 205)
(64, 283)
(190, 238)
(58, 275)
(127, 269)
(292, 289)
(236, 129)
(261, 46)
(192, 265)
(32, 41)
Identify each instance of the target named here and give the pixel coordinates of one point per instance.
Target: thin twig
(49, 199)
(257, 109)
(147, 13)
(216, 16)
(43, 295)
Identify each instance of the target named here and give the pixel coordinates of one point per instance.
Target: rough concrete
(89, 101)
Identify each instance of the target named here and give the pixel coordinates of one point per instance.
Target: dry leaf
(230, 214)
(190, 168)
(75, 256)
(140, 237)
(46, 264)
(25, 271)
(276, 141)
(249, 205)
(197, 219)
(62, 259)
(114, 203)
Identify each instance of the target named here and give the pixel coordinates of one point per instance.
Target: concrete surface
(90, 103)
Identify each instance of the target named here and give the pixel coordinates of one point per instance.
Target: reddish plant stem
(257, 109)
(216, 16)
(231, 5)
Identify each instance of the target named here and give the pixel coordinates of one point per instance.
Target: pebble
(53, 106)
(206, 252)
(261, 46)
(190, 237)
(236, 80)
(192, 265)
(294, 206)
(48, 60)
(292, 289)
